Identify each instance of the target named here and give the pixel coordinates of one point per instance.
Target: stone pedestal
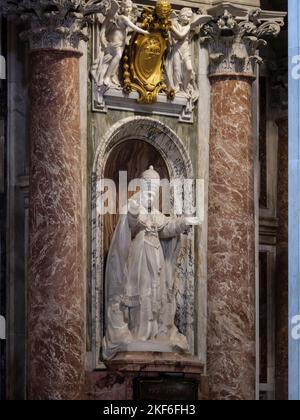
(119, 381)
(156, 362)
(281, 368)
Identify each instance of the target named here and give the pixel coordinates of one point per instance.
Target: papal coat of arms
(146, 52)
(145, 56)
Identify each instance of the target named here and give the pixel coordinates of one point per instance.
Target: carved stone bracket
(53, 24)
(235, 35)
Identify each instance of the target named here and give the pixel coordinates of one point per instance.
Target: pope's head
(150, 184)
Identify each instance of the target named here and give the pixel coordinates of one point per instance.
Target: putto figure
(140, 291)
(117, 23)
(179, 66)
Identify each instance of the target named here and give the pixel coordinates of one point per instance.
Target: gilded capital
(235, 35)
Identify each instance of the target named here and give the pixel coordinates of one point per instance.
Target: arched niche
(132, 145)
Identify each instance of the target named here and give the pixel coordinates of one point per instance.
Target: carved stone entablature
(180, 107)
(235, 35)
(53, 24)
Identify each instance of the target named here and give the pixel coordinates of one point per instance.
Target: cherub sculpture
(117, 22)
(179, 67)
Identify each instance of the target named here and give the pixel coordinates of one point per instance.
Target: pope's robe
(140, 292)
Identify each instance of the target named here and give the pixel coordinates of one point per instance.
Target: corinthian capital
(235, 35)
(54, 24)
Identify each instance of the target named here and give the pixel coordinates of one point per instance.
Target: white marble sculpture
(140, 292)
(117, 24)
(179, 69)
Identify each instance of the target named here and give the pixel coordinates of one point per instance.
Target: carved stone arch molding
(179, 165)
(151, 131)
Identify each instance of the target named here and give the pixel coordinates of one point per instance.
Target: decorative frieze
(235, 35)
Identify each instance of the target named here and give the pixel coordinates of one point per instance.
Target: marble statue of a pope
(140, 292)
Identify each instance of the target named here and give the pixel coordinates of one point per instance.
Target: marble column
(231, 250)
(281, 369)
(56, 285)
(231, 355)
(56, 307)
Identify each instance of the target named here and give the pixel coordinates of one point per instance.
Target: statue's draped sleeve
(116, 329)
(117, 259)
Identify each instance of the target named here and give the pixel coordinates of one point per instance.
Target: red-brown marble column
(56, 285)
(231, 334)
(231, 233)
(281, 384)
(56, 292)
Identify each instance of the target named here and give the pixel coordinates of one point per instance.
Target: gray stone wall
(2, 218)
(16, 188)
